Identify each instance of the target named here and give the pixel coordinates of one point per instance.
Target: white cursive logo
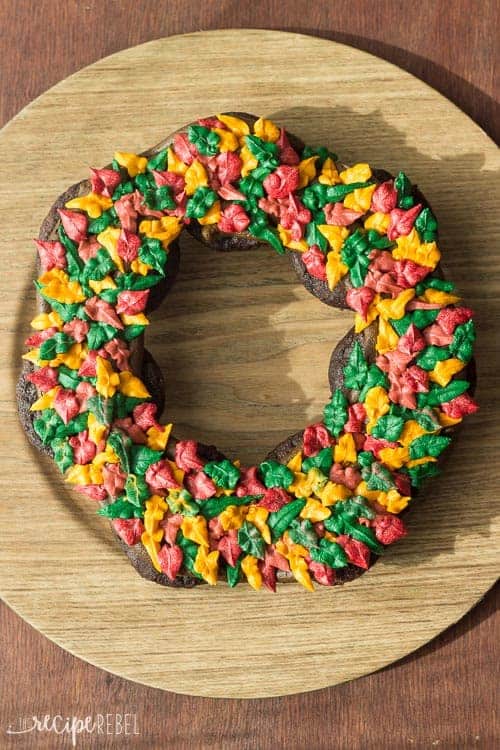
(118, 724)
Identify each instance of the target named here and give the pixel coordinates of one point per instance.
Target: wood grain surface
(236, 735)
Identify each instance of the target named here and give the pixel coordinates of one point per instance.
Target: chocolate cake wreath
(327, 501)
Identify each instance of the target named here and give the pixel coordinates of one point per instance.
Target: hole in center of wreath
(244, 350)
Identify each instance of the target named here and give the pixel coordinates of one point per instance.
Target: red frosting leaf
(45, 378)
(228, 167)
(322, 573)
(132, 302)
(357, 552)
(315, 437)
(113, 479)
(104, 181)
(52, 254)
(229, 548)
(384, 197)
(75, 224)
(128, 246)
(315, 262)
(283, 181)
(460, 406)
(129, 529)
(200, 485)
(66, 404)
(360, 300)
(288, 155)
(186, 456)
(274, 499)
(170, 559)
(160, 477)
(340, 216)
(84, 450)
(233, 219)
(98, 309)
(451, 317)
(401, 222)
(389, 529)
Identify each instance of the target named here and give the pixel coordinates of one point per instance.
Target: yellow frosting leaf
(410, 432)
(174, 164)
(105, 283)
(395, 308)
(345, 450)
(228, 141)
(212, 216)
(107, 380)
(286, 238)
(334, 234)
(298, 566)
(92, 203)
(307, 171)
(266, 130)
(97, 431)
(133, 163)
(394, 458)
(233, 517)
(387, 339)
(196, 176)
(360, 199)
(332, 492)
(206, 564)
(137, 266)
(315, 511)
(46, 400)
(130, 385)
(335, 269)
(444, 371)
(329, 174)
(58, 286)
(235, 124)
(258, 516)
(108, 238)
(250, 568)
(378, 221)
(295, 463)
(249, 161)
(438, 297)
(47, 320)
(195, 529)
(376, 402)
(357, 173)
(158, 438)
(139, 319)
(409, 247)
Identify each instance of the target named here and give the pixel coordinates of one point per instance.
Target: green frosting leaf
(120, 508)
(438, 395)
(275, 474)
(420, 318)
(73, 260)
(404, 188)
(463, 339)
(63, 454)
(144, 182)
(321, 152)
(68, 378)
(356, 369)
(336, 193)
(215, 505)
(158, 162)
(418, 473)
(99, 334)
(233, 573)
(205, 140)
(159, 199)
(74, 426)
(123, 189)
(152, 253)
(315, 196)
(141, 457)
(426, 225)
(224, 473)
(322, 461)
(431, 355)
(364, 534)
(102, 222)
(189, 550)
(102, 408)
(315, 237)
(200, 202)
(58, 344)
(136, 490)
(365, 458)
(182, 502)
(279, 521)
(132, 332)
(303, 532)
(428, 445)
(265, 152)
(329, 553)
(335, 413)
(374, 377)
(251, 541)
(378, 477)
(121, 444)
(388, 427)
(136, 282)
(268, 235)
(98, 267)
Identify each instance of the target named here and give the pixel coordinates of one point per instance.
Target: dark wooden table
(444, 695)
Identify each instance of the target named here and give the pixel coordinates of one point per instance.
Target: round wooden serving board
(245, 351)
